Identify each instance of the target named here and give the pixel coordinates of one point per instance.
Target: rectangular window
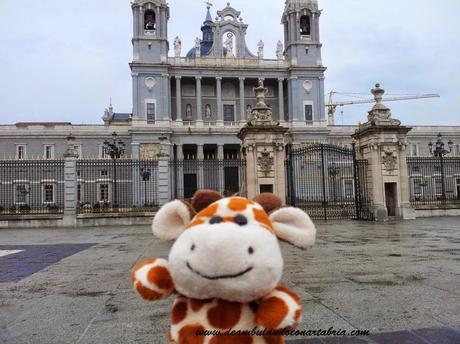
(150, 112)
(48, 193)
(349, 189)
(79, 193)
(104, 173)
(48, 152)
(413, 150)
(309, 113)
(21, 194)
(438, 186)
(104, 192)
(20, 152)
(417, 187)
(103, 153)
(457, 149)
(229, 113)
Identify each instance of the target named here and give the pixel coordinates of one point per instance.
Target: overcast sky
(63, 60)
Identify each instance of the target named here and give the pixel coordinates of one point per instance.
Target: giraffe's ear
(294, 226)
(171, 220)
(270, 202)
(204, 198)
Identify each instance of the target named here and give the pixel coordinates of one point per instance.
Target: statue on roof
(260, 51)
(279, 50)
(229, 44)
(177, 46)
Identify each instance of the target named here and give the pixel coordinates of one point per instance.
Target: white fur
(294, 226)
(223, 250)
(171, 220)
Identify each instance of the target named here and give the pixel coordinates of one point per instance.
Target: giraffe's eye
(192, 248)
(215, 220)
(250, 250)
(241, 220)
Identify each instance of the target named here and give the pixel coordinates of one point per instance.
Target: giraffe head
(227, 248)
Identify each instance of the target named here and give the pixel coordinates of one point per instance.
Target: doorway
(231, 181)
(458, 189)
(391, 198)
(190, 185)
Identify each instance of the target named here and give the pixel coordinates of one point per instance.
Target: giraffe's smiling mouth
(239, 274)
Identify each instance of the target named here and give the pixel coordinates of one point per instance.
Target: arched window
(305, 25)
(149, 20)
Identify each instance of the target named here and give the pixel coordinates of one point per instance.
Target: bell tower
(303, 52)
(301, 32)
(150, 36)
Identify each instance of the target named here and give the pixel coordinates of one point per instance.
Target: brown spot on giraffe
(187, 335)
(225, 314)
(160, 277)
(272, 312)
(179, 312)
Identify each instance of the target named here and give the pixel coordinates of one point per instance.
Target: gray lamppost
(115, 148)
(145, 175)
(439, 151)
(333, 172)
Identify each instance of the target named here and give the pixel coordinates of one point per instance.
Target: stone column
(199, 101)
(180, 171)
(220, 157)
(164, 181)
(242, 101)
(281, 98)
(178, 98)
(220, 110)
(200, 158)
(70, 187)
(382, 142)
(313, 27)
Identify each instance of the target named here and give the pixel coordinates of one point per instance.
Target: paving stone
(401, 337)
(378, 277)
(439, 336)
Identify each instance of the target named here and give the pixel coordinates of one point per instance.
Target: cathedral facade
(197, 99)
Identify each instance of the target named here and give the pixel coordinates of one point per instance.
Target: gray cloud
(62, 61)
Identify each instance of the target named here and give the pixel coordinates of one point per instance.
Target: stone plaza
(399, 280)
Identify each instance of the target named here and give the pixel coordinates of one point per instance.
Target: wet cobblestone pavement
(397, 280)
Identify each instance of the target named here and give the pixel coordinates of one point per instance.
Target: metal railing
(434, 181)
(226, 176)
(31, 187)
(117, 186)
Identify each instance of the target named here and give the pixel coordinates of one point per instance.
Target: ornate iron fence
(225, 176)
(328, 182)
(30, 187)
(434, 181)
(117, 186)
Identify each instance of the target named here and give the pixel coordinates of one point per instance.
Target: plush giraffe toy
(225, 267)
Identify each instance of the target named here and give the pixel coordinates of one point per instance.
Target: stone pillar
(164, 181)
(382, 142)
(70, 187)
(263, 142)
(178, 98)
(220, 110)
(199, 101)
(180, 171)
(242, 101)
(200, 158)
(281, 98)
(220, 157)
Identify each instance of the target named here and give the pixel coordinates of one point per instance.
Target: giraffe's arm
(152, 279)
(280, 309)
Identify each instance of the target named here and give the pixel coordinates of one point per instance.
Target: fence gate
(328, 182)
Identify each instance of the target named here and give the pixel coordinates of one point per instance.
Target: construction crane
(331, 106)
